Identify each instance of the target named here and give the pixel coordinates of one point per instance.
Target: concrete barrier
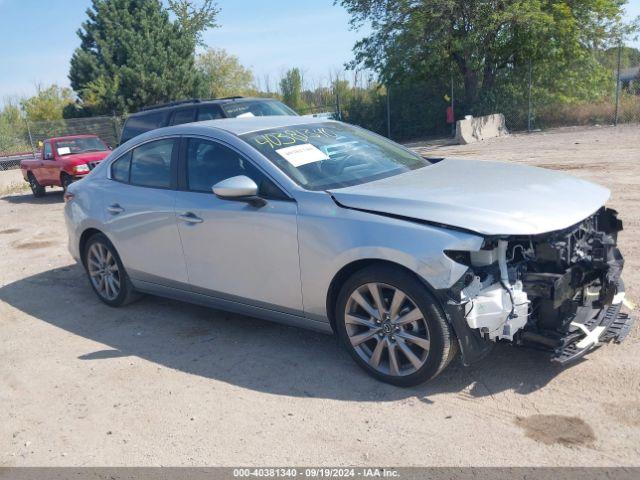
(11, 179)
(477, 129)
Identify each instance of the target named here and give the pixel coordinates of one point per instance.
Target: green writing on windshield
(286, 138)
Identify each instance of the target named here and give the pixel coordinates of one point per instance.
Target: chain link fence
(24, 140)
(405, 112)
(528, 101)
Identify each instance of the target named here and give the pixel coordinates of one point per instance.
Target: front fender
(331, 237)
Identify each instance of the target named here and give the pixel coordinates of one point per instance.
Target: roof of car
(232, 126)
(239, 126)
(195, 102)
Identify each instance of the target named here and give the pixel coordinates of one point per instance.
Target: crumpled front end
(560, 291)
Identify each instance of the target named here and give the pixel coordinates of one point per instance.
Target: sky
(38, 37)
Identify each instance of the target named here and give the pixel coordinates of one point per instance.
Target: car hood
(490, 198)
(79, 158)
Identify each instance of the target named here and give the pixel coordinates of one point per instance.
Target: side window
(47, 151)
(120, 168)
(209, 112)
(137, 124)
(209, 163)
(151, 164)
(182, 116)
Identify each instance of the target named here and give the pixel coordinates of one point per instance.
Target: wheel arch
(349, 269)
(84, 238)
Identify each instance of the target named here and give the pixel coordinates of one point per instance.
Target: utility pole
(615, 118)
(115, 129)
(388, 115)
(529, 107)
(33, 148)
(453, 107)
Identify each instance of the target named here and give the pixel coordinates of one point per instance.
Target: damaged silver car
(324, 225)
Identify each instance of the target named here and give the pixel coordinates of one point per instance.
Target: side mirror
(240, 188)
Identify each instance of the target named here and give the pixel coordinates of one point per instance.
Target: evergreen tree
(133, 55)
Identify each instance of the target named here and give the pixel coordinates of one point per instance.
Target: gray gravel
(165, 383)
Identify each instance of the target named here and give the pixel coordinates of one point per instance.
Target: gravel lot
(165, 383)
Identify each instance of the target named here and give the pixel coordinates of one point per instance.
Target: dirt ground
(165, 383)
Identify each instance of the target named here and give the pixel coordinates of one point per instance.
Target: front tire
(107, 275)
(65, 181)
(37, 189)
(393, 327)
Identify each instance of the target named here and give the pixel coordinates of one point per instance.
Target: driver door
(234, 250)
(45, 171)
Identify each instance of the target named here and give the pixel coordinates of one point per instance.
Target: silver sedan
(324, 225)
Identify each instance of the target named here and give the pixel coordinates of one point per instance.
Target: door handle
(115, 209)
(190, 217)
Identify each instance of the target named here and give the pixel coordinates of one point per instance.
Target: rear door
(140, 213)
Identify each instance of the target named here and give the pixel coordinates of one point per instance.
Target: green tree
(482, 42)
(195, 20)
(13, 134)
(629, 57)
(48, 103)
(291, 88)
(132, 54)
(223, 74)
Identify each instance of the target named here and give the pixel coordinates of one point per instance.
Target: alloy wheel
(387, 329)
(103, 271)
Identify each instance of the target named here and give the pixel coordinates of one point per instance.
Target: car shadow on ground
(54, 196)
(247, 352)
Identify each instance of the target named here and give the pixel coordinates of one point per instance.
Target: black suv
(196, 110)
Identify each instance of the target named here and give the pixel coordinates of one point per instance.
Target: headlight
(81, 169)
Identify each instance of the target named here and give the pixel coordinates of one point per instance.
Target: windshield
(323, 156)
(256, 108)
(72, 146)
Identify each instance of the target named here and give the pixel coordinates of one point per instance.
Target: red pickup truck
(62, 161)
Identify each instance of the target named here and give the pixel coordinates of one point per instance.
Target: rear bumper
(73, 242)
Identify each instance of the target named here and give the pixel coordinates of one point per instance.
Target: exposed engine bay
(556, 291)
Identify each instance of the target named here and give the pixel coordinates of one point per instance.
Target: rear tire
(106, 273)
(410, 342)
(37, 189)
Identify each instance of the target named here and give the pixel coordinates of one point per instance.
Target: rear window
(137, 124)
(72, 146)
(256, 108)
(209, 112)
(151, 164)
(183, 116)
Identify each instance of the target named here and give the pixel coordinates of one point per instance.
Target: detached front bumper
(591, 328)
